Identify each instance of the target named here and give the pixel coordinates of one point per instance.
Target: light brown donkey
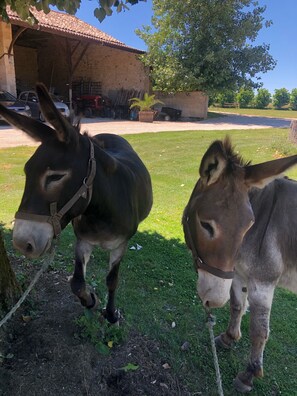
(241, 226)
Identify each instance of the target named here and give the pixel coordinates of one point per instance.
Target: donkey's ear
(213, 163)
(261, 174)
(65, 131)
(35, 129)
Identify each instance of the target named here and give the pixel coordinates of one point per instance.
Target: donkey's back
(269, 249)
(130, 184)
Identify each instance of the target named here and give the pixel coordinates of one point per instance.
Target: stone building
(61, 50)
(72, 58)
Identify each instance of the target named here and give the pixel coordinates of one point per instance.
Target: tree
(205, 45)
(223, 97)
(281, 98)
(293, 99)
(262, 99)
(245, 97)
(9, 288)
(70, 6)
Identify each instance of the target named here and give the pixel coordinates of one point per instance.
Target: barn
(64, 52)
(73, 58)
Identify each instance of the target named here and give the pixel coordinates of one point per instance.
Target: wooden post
(293, 131)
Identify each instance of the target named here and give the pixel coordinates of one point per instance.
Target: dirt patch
(43, 353)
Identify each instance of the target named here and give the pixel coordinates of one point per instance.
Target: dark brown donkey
(99, 183)
(241, 226)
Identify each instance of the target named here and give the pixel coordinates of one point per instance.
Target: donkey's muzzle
(32, 239)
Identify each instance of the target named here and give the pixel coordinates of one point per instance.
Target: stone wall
(114, 68)
(192, 104)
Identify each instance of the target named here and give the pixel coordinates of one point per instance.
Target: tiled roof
(69, 25)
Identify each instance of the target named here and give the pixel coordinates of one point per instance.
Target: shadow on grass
(213, 114)
(157, 297)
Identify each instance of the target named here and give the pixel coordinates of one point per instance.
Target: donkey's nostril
(29, 248)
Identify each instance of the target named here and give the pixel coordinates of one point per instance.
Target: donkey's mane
(233, 157)
(75, 121)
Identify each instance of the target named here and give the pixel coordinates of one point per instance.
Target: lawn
(257, 112)
(157, 283)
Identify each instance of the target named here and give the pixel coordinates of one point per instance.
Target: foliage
(281, 98)
(293, 99)
(205, 45)
(223, 97)
(262, 99)
(70, 6)
(106, 6)
(130, 367)
(245, 97)
(103, 336)
(146, 103)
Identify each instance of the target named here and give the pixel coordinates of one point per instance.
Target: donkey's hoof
(95, 301)
(241, 386)
(221, 343)
(113, 318)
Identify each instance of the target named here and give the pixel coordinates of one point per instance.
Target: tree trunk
(9, 288)
(293, 131)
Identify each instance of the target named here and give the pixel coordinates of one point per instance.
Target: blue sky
(281, 36)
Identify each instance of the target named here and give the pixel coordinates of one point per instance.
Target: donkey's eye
(54, 179)
(208, 227)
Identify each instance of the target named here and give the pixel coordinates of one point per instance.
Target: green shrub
(293, 99)
(281, 98)
(262, 99)
(245, 97)
(224, 97)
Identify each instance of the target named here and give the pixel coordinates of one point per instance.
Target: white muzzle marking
(32, 238)
(212, 290)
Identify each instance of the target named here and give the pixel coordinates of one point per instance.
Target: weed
(102, 334)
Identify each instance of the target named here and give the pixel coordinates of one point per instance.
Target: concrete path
(10, 137)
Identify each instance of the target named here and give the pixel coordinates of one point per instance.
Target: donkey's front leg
(112, 281)
(260, 299)
(83, 252)
(238, 305)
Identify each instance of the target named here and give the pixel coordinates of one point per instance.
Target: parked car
(12, 103)
(30, 98)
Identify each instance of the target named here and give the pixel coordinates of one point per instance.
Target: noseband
(198, 260)
(85, 191)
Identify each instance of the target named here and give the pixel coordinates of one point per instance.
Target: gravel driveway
(10, 137)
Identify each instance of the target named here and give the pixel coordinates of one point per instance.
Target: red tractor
(94, 105)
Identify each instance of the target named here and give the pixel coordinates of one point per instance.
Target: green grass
(257, 112)
(157, 283)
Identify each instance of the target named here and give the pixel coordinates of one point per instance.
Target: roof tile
(59, 22)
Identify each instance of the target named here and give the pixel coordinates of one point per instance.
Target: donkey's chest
(101, 233)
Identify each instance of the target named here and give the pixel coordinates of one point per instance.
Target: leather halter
(198, 260)
(85, 191)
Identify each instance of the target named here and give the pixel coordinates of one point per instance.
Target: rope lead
(211, 321)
